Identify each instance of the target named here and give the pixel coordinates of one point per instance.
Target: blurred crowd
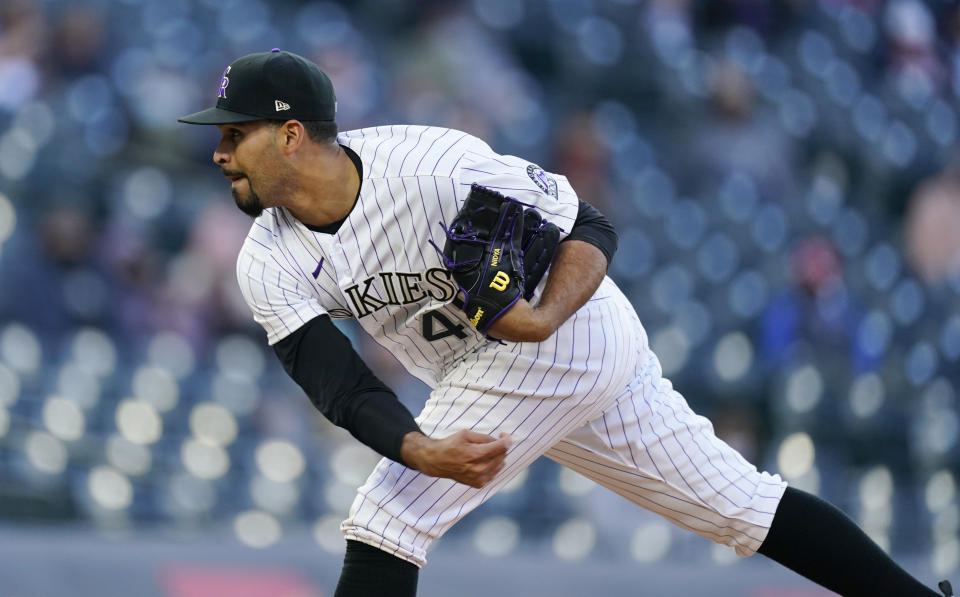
(784, 176)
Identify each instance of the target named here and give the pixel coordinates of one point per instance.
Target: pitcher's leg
(652, 449)
(818, 541)
(660, 455)
(370, 572)
(534, 392)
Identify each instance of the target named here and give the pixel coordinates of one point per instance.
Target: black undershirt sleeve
(593, 227)
(321, 360)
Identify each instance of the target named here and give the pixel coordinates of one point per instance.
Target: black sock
(370, 572)
(817, 540)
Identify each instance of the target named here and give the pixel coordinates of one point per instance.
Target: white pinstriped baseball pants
(591, 397)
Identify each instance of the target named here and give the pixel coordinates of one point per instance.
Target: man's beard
(251, 205)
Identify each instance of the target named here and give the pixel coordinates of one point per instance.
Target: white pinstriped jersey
(379, 267)
(590, 397)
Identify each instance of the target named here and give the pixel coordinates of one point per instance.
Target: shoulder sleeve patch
(540, 178)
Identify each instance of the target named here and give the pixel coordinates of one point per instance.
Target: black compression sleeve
(371, 572)
(594, 227)
(817, 540)
(321, 360)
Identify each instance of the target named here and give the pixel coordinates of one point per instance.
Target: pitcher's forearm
(576, 273)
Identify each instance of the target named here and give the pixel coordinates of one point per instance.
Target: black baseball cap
(274, 85)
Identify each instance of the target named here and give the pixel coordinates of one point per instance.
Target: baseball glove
(539, 244)
(497, 251)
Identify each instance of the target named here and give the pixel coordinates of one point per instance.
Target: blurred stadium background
(785, 178)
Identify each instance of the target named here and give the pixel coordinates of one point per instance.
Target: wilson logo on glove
(500, 281)
(497, 250)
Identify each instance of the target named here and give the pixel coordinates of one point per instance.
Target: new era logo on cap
(280, 106)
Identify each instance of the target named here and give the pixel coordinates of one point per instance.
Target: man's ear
(290, 136)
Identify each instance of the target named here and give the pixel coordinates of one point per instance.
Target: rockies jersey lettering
(413, 287)
(379, 267)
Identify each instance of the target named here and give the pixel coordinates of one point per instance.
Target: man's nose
(220, 156)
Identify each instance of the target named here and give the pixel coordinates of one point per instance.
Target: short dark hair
(319, 131)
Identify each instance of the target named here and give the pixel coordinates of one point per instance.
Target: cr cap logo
(224, 81)
(280, 106)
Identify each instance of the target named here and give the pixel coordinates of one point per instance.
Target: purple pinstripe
(366, 495)
(509, 471)
(540, 208)
(376, 150)
(445, 151)
(284, 294)
(415, 145)
(425, 153)
(413, 222)
(513, 469)
(645, 496)
(386, 235)
(293, 262)
(386, 163)
(699, 447)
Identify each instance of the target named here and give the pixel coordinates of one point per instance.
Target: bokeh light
(867, 395)
(733, 356)
(4, 422)
(804, 389)
(496, 536)
(171, 351)
(110, 489)
(651, 542)
(8, 219)
(45, 453)
(236, 393)
(190, 496)
(20, 348)
(351, 463)
(257, 529)
(80, 385)
(157, 387)
(574, 539)
(138, 422)
(94, 352)
(941, 491)
(9, 386)
(796, 455)
(63, 418)
(277, 498)
(204, 460)
(574, 484)
(326, 532)
(238, 354)
(127, 457)
(213, 423)
(280, 461)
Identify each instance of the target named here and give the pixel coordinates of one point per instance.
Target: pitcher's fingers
(491, 451)
(477, 437)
